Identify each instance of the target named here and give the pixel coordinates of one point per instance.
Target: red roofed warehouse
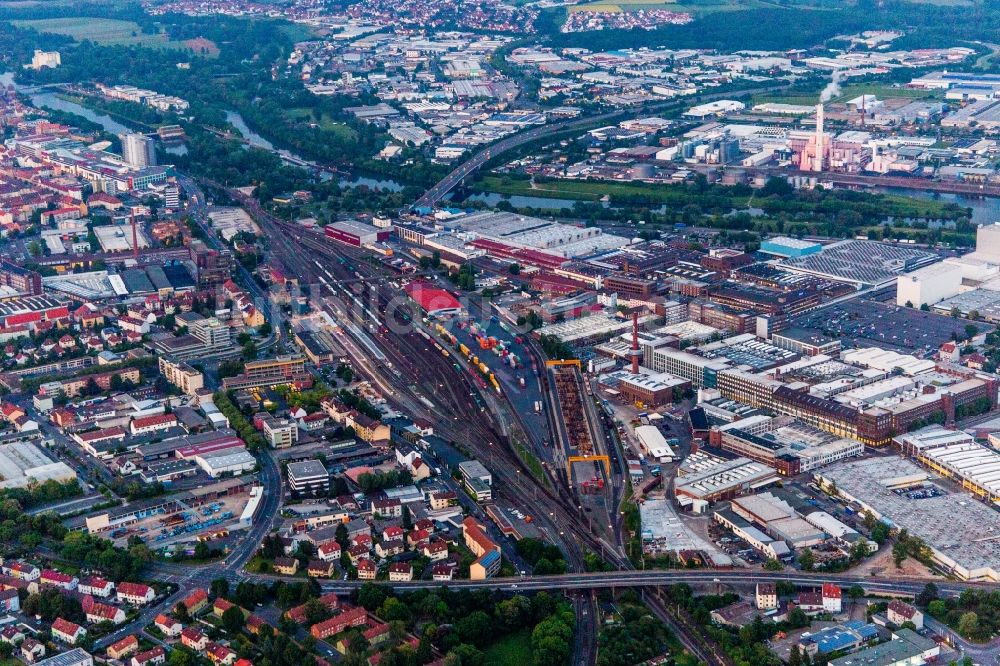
(435, 302)
(355, 233)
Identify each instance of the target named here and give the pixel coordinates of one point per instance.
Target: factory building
(652, 391)
(20, 316)
(928, 285)
(704, 478)
(956, 455)
(700, 371)
(782, 246)
(655, 445)
(357, 234)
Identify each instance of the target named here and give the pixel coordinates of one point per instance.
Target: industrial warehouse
(959, 532)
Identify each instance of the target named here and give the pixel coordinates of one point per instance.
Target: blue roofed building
(486, 566)
(842, 637)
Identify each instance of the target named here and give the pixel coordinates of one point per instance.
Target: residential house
(387, 508)
(168, 626)
(10, 601)
(194, 638)
(97, 613)
(137, 594)
(220, 655)
(358, 553)
(366, 569)
(766, 596)
(443, 500)
(354, 617)
(329, 551)
(32, 650)
(196, 602)
(287, 566)
(12, 635)
(96, 586)
(67, 632)
(124, 647)
(320, 569)
(900, 612)
(389, 548)
(435, 550)
(53, 578)
(151, 657)
(22, 571)
(220, 606)
(400, 572)
(442, 571)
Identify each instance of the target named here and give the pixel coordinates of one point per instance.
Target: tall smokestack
(818, 163)
(635, 343)
(135, 241)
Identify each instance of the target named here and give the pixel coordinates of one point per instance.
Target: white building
(227, 462)
(653, 442)
(42, 59)
(138, 150)
(929, 285)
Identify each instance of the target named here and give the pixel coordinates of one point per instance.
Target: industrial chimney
(820, 139)
(635, 343)
(135, 241)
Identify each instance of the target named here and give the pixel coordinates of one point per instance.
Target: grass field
(99, 30)
(512, 650)
(627, 6)
(326, 123)
(711, 6)
(881, 91)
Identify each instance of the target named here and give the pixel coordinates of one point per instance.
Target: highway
(471, 165)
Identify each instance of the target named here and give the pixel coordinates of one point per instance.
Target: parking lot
(865, 323)
(212, 519)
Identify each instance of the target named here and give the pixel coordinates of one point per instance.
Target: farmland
(100, 30)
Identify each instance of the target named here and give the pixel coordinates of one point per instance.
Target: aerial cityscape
(499, 332)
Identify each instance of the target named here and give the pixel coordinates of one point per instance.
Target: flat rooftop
(954, 524)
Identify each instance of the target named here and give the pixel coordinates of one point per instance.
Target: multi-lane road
(473, 163)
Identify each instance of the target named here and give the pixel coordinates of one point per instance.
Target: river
(257, 141)
(254, 139)
(985, 210)
(50, 100)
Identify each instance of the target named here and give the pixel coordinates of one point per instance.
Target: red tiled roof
(65, 626)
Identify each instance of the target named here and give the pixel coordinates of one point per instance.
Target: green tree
(219, 588)
(807, 559)
(181, 613)
(968, 624)
(371, 596)
(233, 620)
(773, 565)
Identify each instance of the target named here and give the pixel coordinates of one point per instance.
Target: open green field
(99, 30)
(626, 6)
(848, 92)
(512, 650)
(326, 123)
(712, 6)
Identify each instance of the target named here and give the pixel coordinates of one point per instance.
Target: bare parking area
(864, 323)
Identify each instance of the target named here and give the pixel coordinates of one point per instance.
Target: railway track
(420, 365)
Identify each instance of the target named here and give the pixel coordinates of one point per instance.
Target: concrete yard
(663, 526)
